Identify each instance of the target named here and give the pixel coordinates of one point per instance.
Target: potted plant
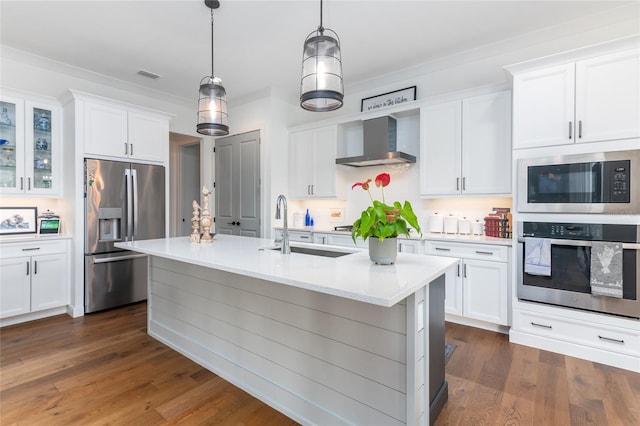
(383, 223)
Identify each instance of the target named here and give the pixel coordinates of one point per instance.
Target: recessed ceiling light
(149, 74)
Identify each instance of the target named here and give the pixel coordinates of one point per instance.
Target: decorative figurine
(195, 223)
(205, 218)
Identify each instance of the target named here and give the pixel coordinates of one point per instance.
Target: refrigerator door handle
(129, 231)
(134, 180)
(117, 258)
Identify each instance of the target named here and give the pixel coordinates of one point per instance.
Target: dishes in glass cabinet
(41, 121)
(42, 144)
(4, 117)
(41, 163)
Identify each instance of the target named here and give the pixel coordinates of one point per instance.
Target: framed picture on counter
(18, 220)
(388, 99)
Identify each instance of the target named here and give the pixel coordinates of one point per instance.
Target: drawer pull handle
(305, 237)
(31, 249)
(490, 253)
(442, 249)
(609, 339)
(535, 324)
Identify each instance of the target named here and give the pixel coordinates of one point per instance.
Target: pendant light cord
(321, 28)
(212, 74)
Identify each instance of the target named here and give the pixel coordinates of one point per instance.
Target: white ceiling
(258, 44)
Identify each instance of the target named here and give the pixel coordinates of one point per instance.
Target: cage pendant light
(213, 119)
(321, 87)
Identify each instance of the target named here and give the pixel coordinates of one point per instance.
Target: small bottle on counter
(307, 219)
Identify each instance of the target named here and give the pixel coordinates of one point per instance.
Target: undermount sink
(314, 251)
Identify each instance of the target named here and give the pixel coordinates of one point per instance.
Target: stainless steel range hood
(380, 146)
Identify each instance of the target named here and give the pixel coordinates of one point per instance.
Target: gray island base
(326, 341)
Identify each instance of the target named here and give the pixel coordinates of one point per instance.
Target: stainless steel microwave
(604, 182)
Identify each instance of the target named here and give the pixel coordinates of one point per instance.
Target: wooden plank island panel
(318, 358)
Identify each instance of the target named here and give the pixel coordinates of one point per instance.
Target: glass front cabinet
(29, 147)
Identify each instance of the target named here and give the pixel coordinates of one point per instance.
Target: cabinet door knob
(570, 130)
(27, 267)
(35, 267)
(126, 148)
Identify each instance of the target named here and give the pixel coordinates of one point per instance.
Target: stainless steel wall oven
(567, 278)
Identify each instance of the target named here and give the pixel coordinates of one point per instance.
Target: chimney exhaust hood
(380, 146)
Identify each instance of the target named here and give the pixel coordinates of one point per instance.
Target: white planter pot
(383, 252)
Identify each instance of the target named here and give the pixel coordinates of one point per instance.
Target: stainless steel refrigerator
(123, 202)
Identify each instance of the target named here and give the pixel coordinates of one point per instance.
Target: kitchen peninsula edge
(324, 340)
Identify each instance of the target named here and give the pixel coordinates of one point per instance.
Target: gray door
(189, 186)
(237, 185)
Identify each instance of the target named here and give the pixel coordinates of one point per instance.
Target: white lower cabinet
(409, 246)
(602, 338)
(32, 282)
(478, 288)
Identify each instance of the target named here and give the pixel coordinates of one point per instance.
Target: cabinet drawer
(8, 250)
(586, 333)
(468, 251)
(346, 240)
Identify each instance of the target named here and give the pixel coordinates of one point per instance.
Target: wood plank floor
(104, 369)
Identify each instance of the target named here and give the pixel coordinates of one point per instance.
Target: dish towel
(537, 256)
(606, 269)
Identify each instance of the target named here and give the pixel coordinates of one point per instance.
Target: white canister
(476, 227)
(435, 223)
(464, 226)
(450, 225)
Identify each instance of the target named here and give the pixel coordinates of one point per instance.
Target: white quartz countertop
(353, 276)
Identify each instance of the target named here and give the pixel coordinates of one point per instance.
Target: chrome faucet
(285, 233)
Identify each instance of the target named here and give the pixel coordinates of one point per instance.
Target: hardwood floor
(104, 369)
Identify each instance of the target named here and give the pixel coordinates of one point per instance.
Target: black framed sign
(389, 99)
(18, 220)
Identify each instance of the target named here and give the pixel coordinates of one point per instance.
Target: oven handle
(583, 243)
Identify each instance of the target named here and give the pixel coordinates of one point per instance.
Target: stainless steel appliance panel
(148, 211)
(592, 184)
(124, 202)
(105, 205)
(569, 283)
(114, 280)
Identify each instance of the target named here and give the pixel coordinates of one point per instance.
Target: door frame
(176, 143)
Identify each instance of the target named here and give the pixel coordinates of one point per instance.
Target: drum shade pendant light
(213, 119)
(321, 87)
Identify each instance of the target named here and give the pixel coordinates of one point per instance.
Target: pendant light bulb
(213, 119)
(321, 86)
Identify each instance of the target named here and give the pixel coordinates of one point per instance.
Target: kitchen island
(325, 340)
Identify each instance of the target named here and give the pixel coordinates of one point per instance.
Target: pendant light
(321, 87)
(213, 119)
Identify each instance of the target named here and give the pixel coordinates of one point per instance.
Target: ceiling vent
(149, 74)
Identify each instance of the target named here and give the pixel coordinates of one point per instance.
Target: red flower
(383, 180)
(364, 185)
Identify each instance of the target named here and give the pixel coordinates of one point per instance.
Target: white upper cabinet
(124, 133)
(466, 146)
(313, 163)
(30, 149)
(608, 97)
(589, 100)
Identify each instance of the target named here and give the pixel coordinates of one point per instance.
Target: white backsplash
(404, 186)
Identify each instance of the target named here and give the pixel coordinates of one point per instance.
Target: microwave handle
(583, 243)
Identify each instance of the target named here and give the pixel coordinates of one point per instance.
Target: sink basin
(314, 251)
